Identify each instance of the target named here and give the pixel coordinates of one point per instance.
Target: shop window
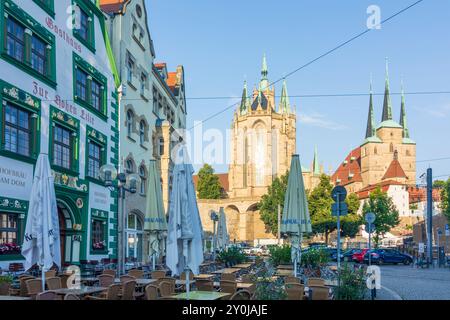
(9, 234)
(99, 233)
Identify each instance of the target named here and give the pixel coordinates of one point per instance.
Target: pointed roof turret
(371, 135)
(244, 101)
(316, 166)
(285, 106)
(264, 84)
(386, 120)
(403, 121)
(387, 106)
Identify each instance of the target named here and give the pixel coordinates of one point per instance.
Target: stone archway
(232, 215)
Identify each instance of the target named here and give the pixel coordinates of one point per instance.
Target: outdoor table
(242, 266)
(240, 285)
(83, 291)
(202, 295)
(226, 270)
(284, 273)
(140, 282)
(181, 282)
(14, 298)
(204, 276)
(89, 280)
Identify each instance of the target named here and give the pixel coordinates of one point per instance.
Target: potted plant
(352, 284)
(231, 256)
(5, 284)
(315, 259)
(269, 289)
(280, 255)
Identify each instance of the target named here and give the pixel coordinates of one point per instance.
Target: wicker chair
(109, 272)
(111, 294)
(158, 274)
(228, 276)
(138, 274)
(126, 278)
(183, 276)
(247, 278)
(151, 292)
(50, 274)
(54, 283)
(105, 280)
(319, 293)
(172, 282)
(166, 289)
(227, 286)
(295, 291)
(128, 290)
(46, 295)
(292, 279)
(71, 296)
(316, 282)
(204, 285)
(34, 287)
(4, 289)
(64, 277)
(241, 295)
(22, 291)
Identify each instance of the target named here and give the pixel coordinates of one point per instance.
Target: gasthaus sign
(15, 179)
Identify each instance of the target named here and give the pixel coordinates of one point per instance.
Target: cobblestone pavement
(410, 283)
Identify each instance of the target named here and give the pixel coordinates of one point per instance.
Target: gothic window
(129, 122)
(408, 153)
(391, 148)
(129, 166)
(244, 171)
(143, 175)
(259, 156)
(375, 150)
(142, 132)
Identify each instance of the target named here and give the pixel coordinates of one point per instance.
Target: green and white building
(58, 96)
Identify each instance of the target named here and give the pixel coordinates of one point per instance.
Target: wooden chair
(292, 279)
(138, 274)
(23, 290)
(227, 286)
(319, 293)
(295, 291)
(204, 285)
(109, 272)
(166, 289)
(241, 295)
(128, 290)
(316, 282)
(228, 276)
(4, 289)
(126, 278)
(71, 296)
(54, 283)
(151, 292)
(111, 294)
(105, 280)
(46, 295)
(50, 274)
(34, 287)
(183, 276)
(158, 274)
(64, 277)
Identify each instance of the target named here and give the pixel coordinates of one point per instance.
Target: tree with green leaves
(208, 185)
(268, 206)
(319, 202)
(439, 184)
(445, 199)
(352, 221)
(386, 214)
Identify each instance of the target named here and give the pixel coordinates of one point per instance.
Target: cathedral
(387, 155)
(263, 140)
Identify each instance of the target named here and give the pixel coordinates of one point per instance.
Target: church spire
(244, 102)
(264, 84)
(316, 167)
(387, 106)
(403, 121)
(285, 106)
(370, 132)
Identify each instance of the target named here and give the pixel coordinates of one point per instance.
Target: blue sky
(221, 43)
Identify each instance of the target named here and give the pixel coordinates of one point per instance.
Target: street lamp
(214, 217)
(125, 183)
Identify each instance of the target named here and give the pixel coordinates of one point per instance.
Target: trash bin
(441, 257)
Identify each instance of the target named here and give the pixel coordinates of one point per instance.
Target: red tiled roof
(384, 185)
(417, 194)
(113, 6)
(223, 180)
(160, 65)
(351, 167)
(395, 170)
(172, 80)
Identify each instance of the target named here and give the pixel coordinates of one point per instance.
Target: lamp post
(125, 183)
(214, 218)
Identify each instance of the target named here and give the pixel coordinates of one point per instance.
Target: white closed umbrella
(155, 219)
(222, 233)
(184, 242)
(296, 219)
(41, 242)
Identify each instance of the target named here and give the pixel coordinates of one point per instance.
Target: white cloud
(319, 120)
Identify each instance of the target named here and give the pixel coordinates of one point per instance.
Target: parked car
(358, 256)
(346, 255)
(381, 256)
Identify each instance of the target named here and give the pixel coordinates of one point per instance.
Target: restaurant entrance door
(70, 237)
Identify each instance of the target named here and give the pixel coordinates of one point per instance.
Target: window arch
(130, 117)
(142, 132)
(129, 166)
(375, 150)
(143, 176)
(391, 147)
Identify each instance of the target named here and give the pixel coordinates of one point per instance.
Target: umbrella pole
(154, 261)
(41, 266)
